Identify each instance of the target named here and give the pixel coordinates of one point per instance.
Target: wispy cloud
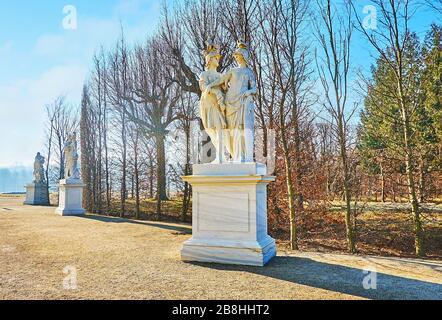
(22, 113)
(63, 58)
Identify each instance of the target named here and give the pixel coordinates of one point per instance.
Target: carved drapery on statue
(212, 107)
(227, 107)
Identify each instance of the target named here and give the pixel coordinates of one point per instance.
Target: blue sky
(40, 60)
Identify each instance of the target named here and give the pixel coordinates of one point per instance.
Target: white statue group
(226, 105)
(229, 204)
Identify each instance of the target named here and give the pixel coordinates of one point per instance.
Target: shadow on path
(179, 228)
(339, 278)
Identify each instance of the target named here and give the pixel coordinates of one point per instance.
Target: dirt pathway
(40, 253)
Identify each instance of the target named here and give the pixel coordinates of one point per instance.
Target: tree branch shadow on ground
(338, 278)
(308, 272)
(185, 229)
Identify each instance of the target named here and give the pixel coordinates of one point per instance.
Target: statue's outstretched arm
(223, 79)
(202, 84)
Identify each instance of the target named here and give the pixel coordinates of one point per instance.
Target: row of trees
(138, 95)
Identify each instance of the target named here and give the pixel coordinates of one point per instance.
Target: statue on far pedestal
(39, 171)
(37, 191)
(71, 156)
(71, 188)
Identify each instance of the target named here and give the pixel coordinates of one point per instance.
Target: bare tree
(435, 5)
(87, 141)
(64, 122)
(50, 108)
(185, 34)
(186, 114)
(119, 86)
(334, 32)
(281, 26)
(390, 40)
(151, 103)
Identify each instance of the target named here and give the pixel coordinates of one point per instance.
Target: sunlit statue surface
(240, 84)
(212, 107)
(71, 156)
(71, 188)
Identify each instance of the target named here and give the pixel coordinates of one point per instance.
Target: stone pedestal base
(36, 194)
(70, 198)
(229, 217)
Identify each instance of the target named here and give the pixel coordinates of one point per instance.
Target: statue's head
(212, 56)
(241, 54)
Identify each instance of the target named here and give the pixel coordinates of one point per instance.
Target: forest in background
(335, 160)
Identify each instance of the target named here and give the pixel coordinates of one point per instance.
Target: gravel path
(113, 258)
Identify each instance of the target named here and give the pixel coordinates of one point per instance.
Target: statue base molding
(36, 194)
(70, 198)
(229, 217)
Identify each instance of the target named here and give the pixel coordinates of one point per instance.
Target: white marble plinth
(36, 194)
(229, 217)
(230, 169)
(70, 198)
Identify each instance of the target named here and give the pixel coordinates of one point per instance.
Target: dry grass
(382, 229)
(123, 259)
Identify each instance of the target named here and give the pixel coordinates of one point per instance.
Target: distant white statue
(212, 106)
(71, 157)
(240, 83)
(39, 171)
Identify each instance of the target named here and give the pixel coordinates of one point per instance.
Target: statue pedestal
(229, 217)
(70, 198)
(36, 194)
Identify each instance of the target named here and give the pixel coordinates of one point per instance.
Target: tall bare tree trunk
(137, 176)
(409, 163)
(289, 182)
(187, 171)
(123, 190)
(382, 183)
(351, 241)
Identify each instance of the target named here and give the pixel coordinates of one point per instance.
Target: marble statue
(212, 107)
(71, 156)
(240, 84)
(39, 171)
(36, 191)
(229, 207)
(70, 193)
